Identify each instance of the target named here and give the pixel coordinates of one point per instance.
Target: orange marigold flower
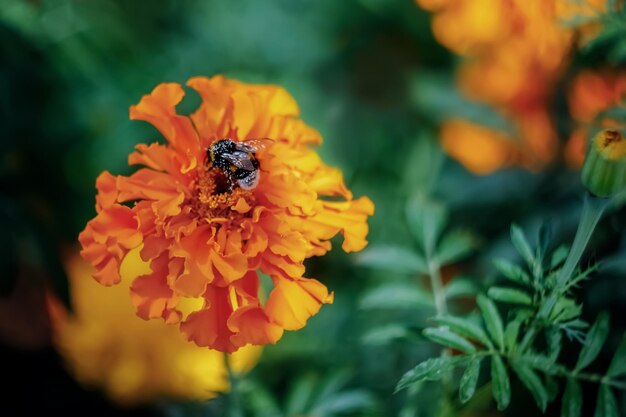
(207, 243)
(521, 47)
(105, 345)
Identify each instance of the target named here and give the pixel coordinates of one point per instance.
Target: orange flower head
(206, 238)
(522, 48)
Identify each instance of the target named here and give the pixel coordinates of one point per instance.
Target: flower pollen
(214, 202)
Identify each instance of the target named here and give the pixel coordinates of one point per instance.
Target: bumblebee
(237, 160)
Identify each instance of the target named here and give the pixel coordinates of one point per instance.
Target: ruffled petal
(107, 239)
(292, 302)
(159, 109)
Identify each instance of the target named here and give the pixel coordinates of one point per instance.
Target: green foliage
(534, 360)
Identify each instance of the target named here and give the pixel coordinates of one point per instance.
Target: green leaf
(425, 161)
(500, 385)
(539, 362)
(511, 333)
(509, 295)
(396, 296)
(606, 405)
(464, 327)
(554, 338)
(426, 219)
(300, 395)
(558, 256)
(469, 380)
(533, 383)
(454, 246)
(385, 334)
(492, 319)
(447, 338)
(543, 243)
(552, 386)
(572, 402)
(565, 309)
(618, 364)
(345, 402)
(512, 272)
(461, 287)
(522, 245)
(593, 342)
(393, 259)
(432, 369)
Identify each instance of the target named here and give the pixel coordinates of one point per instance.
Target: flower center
(213, 201)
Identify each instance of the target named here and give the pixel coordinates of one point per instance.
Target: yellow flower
(205, 237)
(106, 345)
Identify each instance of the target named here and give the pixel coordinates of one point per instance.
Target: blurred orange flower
(206, 243)
(106, 345)
(516, 51)
(591, 93)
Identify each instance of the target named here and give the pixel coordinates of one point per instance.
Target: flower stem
(234, 401)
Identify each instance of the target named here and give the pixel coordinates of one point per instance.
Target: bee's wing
(254, 145)
(240, 160)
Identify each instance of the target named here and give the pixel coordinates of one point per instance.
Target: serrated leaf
(565, 309)
(492, 319)
(509, 295)
(449, 339)
(618, 364)
(522, 245)
(454, 246)
(533, 383)
(606, 404)
(593, 342)
(464, 327)
(432, 369)
(572, 402)
(396, 296)
(469, 380)
(512, 272)
(393, 259)
(500, 385)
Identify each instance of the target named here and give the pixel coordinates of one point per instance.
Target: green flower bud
(604, 171)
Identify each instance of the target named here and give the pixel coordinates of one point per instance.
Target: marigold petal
(252, 326)
(208, 327)
(107, 191)
(348, 218)
(151, 293)
(159, 109)
(292, 302)
(106, 240)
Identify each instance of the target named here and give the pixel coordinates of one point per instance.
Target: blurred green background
(69, 70)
